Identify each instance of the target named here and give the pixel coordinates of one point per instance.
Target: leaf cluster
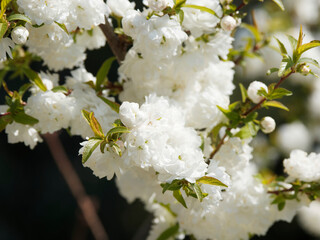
(111, 138)
(190, 189)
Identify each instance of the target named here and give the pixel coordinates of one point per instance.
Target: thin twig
(254, 108)
(118, 47)
(73, 181)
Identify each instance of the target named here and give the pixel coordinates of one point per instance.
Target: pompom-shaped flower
(159, 5)
(253, 89)
(19, 35)
(268, 124)
(302, 166)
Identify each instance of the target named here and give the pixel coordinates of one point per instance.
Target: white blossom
(6, 44)
(302, 166)
(253, 89)
(228, 23)
(120, 7)
(309, 218)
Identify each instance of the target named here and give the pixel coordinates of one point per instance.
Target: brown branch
(220, 144)
(280, 191)
(240, 6)
(118, 47)
(69, 174)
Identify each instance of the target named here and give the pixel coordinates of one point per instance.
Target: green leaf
(173, 186)
(201, 8)
(113, 105)
(293, 42)
(63, 27)
(272, 70)
(310, 61)
(285, 67)
(86, 115)
(35, 78)
(247, 131)
(90, 146)
(299, 43)
(279, 93)
(279, 3)
(275, 104)
(211, 181)
(15, 17)
(4, 121)
(3, 29)
(25, 119)
(179, 3)
(177, 195)
(103, 71)
(196, 188)
(95, 126)
(4, 5)
(169, 232)
(244, 93)
(103, 145)
(2, 75)
(24, 88)
(283, 49)
(62, 89)
(117, 130)
(308, 46)
(281, 205)
(233, 116)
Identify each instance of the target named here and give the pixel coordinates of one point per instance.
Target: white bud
(253, 89)
(228, 23)
(305, 70)
(158, 5)
(19, 35)
(268, 124)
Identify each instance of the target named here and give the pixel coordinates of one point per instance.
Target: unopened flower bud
(228, 23)
(305, 70)
(158, 5)
(253, 89)
(19, 35)
(268, 124)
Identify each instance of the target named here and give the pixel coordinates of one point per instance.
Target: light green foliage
(169, 232)
(103, 72)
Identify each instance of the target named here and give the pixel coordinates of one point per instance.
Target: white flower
(120, 7)
(228, 23)
(159, 5)
(53, 110)
(19, 35)
(6, 44)
(268, 124)
(199, 22)
(158, 139)
(253, 89)
(23, 133)
(302, 166)
(93, 40)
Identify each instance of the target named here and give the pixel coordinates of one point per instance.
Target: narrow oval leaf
(177, 195)
(3, 29)
(25, 119)
(310, 61)
(95, 126)
(116, 130)
(244, 93)
(279, 3)
(113, 105)
(21, 17)
(272, 70)
(283, 49)
(91, 145)
(197, 190)
(24, 88)
(169, 232)
(308, 46)
(62, 89)
(4, 5)
(5, 119)
(86, 115)
(63, 27)
(276, 104)
(211, 181)
(103, 71)
(201, 8)
(293, 42)
(35, 78)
